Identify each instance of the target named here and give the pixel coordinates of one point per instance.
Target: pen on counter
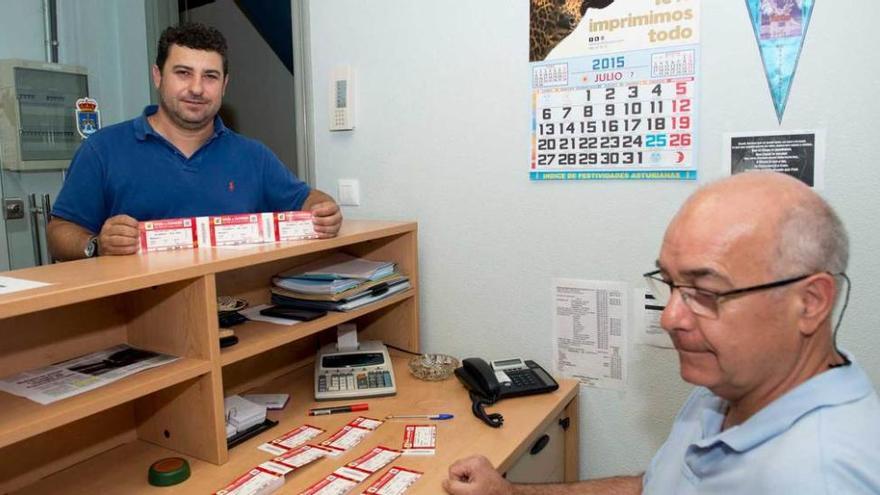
(320, 411)
(437, 417)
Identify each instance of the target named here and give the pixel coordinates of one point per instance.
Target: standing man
(749, 271)
(175, 160)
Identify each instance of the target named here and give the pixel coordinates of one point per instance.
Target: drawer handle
(540, 444)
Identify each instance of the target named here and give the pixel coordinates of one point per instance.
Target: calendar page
(626, 108)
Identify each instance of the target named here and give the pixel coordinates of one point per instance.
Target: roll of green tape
(170, 471)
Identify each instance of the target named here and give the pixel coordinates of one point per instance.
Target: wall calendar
(617, 98)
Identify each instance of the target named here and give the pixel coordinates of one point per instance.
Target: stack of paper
(242, 414)
(342, 266)
(339, 283)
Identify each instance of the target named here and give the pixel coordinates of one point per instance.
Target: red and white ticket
(254, 482)
(291, 225)
(364, 422)
(366, 465)
(331, 485)
(347, 437)
(290, 440)
(420, 439)
(232, 230)
(396, 481)
(295, 459)
(171, 233)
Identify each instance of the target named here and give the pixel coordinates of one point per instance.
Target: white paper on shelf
(9, 285)
(75, 376)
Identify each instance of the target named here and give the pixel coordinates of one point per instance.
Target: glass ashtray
(432, 367)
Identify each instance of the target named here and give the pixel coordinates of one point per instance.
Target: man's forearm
(618, 485)
(67, 240)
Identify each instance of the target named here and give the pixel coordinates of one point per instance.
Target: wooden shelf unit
(166, 302)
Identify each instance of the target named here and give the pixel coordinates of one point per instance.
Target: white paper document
(78, 375)
(647, 327)
(590, 324)
(9, 284)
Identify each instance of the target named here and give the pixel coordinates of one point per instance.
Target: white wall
(442, 138)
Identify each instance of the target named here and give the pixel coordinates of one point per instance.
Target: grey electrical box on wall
(38, 124)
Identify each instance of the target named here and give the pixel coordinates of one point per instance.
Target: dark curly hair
(192, 35)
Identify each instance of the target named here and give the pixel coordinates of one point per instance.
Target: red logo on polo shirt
(231, 186)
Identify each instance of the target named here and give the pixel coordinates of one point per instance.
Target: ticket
(364, 466)
(290, 225)
(254, 482)
(331, 485)
(231, 230)
(396, 481)
(291, 439)
(347, 437)
(368, 423)
(419, 439)
(171, 233)
(295, 459)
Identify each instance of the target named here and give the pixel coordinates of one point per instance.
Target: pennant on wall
(780, 27)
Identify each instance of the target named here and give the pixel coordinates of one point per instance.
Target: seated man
(749, 271)
(175, 160)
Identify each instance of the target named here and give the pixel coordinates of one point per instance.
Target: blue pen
(423, 416)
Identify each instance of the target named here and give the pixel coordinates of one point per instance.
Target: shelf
(255, 337)
(21, 418)
(457, 438)
(94, 278)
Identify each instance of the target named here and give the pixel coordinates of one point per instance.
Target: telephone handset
(476, 375)
(504, 378)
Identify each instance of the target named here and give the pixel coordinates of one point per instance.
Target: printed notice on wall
(590, 323)
(800, 154)
(646, 327)
(617, 97)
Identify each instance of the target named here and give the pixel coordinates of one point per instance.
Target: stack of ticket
(351, 434)
(420, 439)
(396, 481)
(368, 464)
(290, 440)
(294, 459)
(254, 482)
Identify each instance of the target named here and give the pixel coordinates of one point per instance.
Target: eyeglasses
(701, 301)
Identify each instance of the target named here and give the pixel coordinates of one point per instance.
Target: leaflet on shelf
(225, 230)
(78, 375)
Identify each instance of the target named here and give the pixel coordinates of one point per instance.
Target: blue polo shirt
(128, 168)
(823, 437)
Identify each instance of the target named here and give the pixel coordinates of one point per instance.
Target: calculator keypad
(345, 382)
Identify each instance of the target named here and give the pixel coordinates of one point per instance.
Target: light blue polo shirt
(129, 168)
(823, 437)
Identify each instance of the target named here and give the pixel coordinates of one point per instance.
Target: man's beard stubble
(179, 119)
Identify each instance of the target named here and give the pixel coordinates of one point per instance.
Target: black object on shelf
(230, 318)
(250, 432)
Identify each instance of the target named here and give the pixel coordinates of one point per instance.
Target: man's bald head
(798, 230)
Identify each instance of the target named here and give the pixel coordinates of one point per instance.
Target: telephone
(504, 378)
